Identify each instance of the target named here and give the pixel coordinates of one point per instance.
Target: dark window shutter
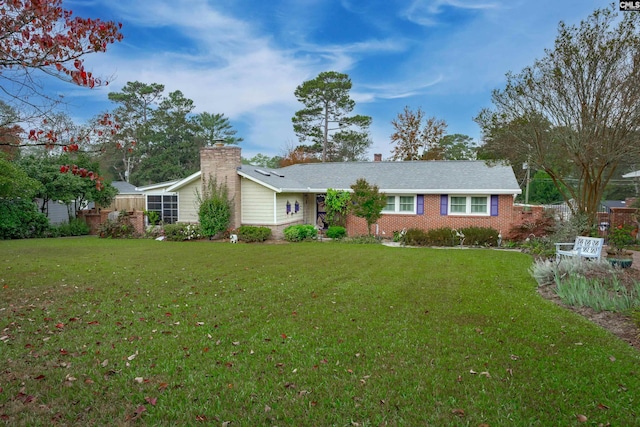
(494, 205)
(444, 204)
(420, 204)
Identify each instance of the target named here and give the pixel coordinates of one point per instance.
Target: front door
(321, 212)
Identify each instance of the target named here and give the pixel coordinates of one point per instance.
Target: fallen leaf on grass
(162, 386)
(602, 406)
(581, 418)
(151, 400)
(138, 412)
(458, 412)
(24, 398)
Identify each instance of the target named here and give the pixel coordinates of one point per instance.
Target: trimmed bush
(435, 237)
(365, 239)
(442, 237)
(480, 236)
(181, 232)
(76, 227)
(298, 233)
(416, 237)
(21, 220)
(248, 233)
(336, 232)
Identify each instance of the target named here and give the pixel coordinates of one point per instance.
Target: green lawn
(140, 332)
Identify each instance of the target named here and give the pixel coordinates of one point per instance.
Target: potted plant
(620, 238)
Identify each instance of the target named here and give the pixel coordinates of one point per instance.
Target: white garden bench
(584, 247)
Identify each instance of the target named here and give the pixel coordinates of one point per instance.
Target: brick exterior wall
(94, 218)
(623, 216)
(508, 215)
(222, 162)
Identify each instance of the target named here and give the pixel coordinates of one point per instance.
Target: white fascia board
(155, 187)
(257, 181)
(449, 191)
(635, 174)
(163, 186)
(185, 181)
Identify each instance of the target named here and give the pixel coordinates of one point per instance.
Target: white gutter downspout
(275, 208)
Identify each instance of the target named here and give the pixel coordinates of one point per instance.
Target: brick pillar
(221, 162)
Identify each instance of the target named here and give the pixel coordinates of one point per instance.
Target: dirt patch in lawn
(617, 323)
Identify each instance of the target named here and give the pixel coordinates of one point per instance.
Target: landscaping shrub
(76, 227)
(577, 225)
(214, 212)
(545, 271)
(336, 232)
(416, 237)
(248, 233)
(543, 226)
(442, 237)
(540, 247)
(181, 232)
(598, 294)
(298, 233)
(480, 236)
(121, 228)
(21, 220)
(365, 239)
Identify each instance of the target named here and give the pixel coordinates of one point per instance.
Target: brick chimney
(221, 163)
(377, 157)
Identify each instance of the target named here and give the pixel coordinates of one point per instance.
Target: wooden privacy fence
(128, 202)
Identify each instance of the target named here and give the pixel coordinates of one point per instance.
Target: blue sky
(244, 58)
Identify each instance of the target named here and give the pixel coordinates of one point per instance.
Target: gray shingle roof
(429, 177)
(124, 187)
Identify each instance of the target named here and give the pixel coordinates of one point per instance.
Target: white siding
(257, 204)
(188, 202)
(292, 198)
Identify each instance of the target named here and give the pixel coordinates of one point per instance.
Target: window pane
(391, 204)
(154, 203)
(479, 205)
(458, 204)
(406, 204)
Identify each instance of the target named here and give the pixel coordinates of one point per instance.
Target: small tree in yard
(215, 209)
(367, 202)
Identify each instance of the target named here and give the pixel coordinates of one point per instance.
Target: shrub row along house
(421, 194)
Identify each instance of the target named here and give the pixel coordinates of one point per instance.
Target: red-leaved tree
(40, 36)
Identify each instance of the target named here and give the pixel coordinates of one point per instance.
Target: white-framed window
(391, 204)
(469, 205)
(166, 205)
(400, 204)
